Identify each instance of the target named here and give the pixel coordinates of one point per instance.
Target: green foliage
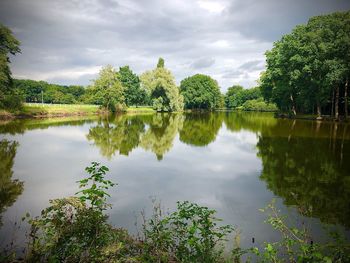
(297, 244)
(133, 93)
(237, 96)
(107, 90)
(190, 234)
(38, 91)
(160, 63)
(8, 45)
(308, 70)
(75, 229)
(96, 194)
(161, 88)
(258, 105)
(200, 92)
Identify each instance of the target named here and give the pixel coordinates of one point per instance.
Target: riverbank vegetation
(76, 229)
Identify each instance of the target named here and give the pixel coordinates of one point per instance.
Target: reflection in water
(122, 135)
(200, 129)
(9, 189)
(251, 121)
(21, 126)
(309, 171)
(161, 133)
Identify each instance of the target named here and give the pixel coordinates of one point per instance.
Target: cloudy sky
(67, 42)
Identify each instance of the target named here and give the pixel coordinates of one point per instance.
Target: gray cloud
(68, 41)
(252, 65)
(203, 63)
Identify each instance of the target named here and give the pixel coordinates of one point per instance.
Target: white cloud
(211, 6)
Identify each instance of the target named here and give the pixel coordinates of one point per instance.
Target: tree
(134, 95)
(200, 92)
(236, 96)
(161, 88)
(8, 45)
(107, 90)
(160, 63)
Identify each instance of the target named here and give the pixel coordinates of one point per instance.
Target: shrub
(190, 234)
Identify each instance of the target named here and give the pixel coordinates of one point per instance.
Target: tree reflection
(310, 172)
(200, 129)
(252, 121)
(161, 133)
(122, 134)
(9, 189)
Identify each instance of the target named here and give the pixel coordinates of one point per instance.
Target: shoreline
(311, 117)
(30, 111)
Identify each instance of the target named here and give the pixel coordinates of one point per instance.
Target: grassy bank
(37, 110)
(31, 110)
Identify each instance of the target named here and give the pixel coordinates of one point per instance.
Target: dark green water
(235, 163)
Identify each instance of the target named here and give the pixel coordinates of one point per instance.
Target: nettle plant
(190, 234)
(95, 187)
(75, 229)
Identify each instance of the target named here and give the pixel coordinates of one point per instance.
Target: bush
(190, 234)
(76, 230)
(258, 105)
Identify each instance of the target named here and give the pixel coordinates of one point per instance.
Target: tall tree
(161, 88)
(107, 90)
(8, 45)
(200, 92)
(133, 93)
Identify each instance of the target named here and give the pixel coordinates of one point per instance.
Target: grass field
(38, 110)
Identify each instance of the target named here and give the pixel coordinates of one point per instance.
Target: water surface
(233, 162)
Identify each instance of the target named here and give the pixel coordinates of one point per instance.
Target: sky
(67, 42)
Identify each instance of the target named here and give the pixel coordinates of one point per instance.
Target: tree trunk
(293, 106)
(346, 98)
(336, 105)
(318, 110)
(332, 109)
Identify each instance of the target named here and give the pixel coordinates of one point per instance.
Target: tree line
(116, 90)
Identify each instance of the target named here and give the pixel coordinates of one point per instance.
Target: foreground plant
(75, 229)
(190, 234)
(297, 245)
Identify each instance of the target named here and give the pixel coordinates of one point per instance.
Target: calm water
(235, 163)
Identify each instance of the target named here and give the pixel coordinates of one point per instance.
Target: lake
(233, 162)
